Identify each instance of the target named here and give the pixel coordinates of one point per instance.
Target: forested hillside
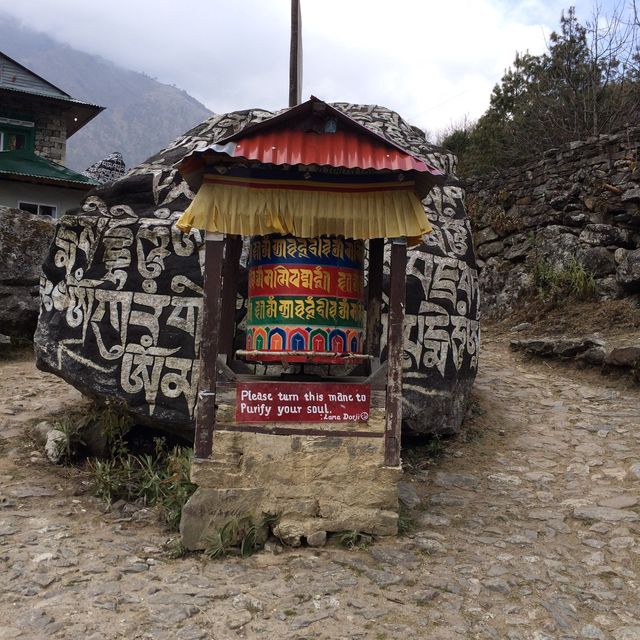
(587, 83)
(142, 115)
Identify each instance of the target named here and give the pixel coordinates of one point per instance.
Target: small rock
(408, 495)
(622, 542)
(590, 632)
(627, 633)
(32, 492)
(41, 431)
(599, 261)
(605, 235)
(43, 579)
(595, 427)
(43, 557)
(7, 529)
(504, 478)
(462, 480)
(628, 272)
(545, 514)
(424, 596)
(238, 620)
(594, 356)
(273, 547)
(429, 545)
(619, 502)
(383, 578)
(247, 602)
(630, 195)
(497, 584)
(432, 520)
(523, 326)
(317, 539)
(623, 357)
(620, 254)
(54, 448)
(605, 513)
(634, 470)
(305, 621)
(394, 557)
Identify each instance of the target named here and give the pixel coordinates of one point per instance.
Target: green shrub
(239, 536)
(572, 280)
(353, 539)
(161, 479)
(71, 440)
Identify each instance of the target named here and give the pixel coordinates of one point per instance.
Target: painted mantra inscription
(305, 294)
(302, 402)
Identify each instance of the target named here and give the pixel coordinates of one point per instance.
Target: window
(15, 135)
(14, 141)
(38, 209)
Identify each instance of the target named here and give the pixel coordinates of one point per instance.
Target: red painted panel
(349, 149)
(302, 402)
(306, 280)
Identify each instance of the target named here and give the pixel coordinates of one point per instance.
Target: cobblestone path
(528, 532)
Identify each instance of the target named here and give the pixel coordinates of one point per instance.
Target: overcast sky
(433, 62)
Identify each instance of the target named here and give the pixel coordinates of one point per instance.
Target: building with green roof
(36, 118)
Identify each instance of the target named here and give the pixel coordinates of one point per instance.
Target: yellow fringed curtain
(248, 207)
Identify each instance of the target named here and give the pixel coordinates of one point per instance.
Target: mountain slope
(142, 114)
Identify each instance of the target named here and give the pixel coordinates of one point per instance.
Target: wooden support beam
(374, 297)
(230, 269)
(295, 55)
(395, 331)
(206, 406)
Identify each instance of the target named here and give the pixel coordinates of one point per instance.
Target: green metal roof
(25, 165)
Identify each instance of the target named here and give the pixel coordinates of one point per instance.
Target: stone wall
(50, 126)
(577, 205)
(314, 484)
(24, 244)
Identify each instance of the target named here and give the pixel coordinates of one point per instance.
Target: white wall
(12, 192)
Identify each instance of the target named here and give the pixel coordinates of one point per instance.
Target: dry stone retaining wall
(24, 244)
(577, 204)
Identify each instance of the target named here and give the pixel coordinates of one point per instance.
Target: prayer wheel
(305, 300)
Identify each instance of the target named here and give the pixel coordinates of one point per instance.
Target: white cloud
(434, 62)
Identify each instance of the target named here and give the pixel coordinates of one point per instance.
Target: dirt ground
(617, 321)
(526, 529)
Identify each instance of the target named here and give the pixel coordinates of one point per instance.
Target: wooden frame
(219, 307)
(395, 329)
(230, 270)
(211, 303)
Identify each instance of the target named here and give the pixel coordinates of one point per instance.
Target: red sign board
(302, 402)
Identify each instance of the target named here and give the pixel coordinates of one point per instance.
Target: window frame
(38, 205)
(11, 125)
(6, 131)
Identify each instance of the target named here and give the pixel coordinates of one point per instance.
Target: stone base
(313, 484)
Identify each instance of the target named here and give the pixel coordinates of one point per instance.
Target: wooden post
(233, 249)
(374, 297)
(395, 330)
(295, 55)
(206, 406)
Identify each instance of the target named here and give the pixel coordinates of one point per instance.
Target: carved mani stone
(121, 295)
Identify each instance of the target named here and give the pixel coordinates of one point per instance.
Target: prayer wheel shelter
(315, 194)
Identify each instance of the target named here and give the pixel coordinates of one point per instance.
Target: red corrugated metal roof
(348, 149)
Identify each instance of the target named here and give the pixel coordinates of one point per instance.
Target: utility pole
(295, 55)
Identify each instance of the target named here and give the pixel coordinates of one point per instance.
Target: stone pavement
(528, 532)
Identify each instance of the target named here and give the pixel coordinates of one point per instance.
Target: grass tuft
(160, 480)
(572, 280)
(240, 536)
(352, 539)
